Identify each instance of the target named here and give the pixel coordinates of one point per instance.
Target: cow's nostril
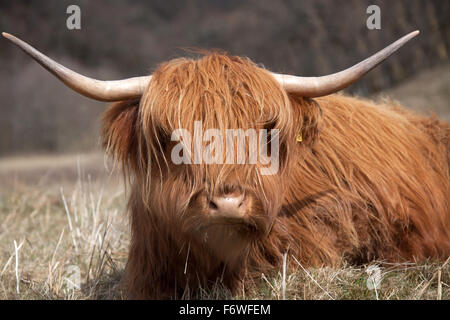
(212, 205)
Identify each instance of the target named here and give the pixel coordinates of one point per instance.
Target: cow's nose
(228, 206)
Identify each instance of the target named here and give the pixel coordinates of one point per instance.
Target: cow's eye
(267, 137)
(162, 139)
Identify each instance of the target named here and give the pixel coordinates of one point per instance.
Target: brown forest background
(127, 38)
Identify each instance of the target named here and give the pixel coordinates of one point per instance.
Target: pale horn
(321, 86)
(96, 89)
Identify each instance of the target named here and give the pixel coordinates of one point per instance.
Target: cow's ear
(119, 131)
(307, 115)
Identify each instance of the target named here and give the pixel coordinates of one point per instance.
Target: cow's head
(209, 143)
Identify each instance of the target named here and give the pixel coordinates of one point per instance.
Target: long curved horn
(321, 86)
(96, 89)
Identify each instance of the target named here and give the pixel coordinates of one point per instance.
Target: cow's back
(375, 185)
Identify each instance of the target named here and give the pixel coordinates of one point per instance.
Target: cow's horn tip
(7, 35)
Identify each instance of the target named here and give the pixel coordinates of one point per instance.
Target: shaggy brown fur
(366, 182)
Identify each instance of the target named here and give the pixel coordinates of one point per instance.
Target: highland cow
(357, 181)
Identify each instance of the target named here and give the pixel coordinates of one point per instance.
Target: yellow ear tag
(299, 137)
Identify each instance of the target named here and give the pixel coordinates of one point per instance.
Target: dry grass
(62, 225)
(59, 216)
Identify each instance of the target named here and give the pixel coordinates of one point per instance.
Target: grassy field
(62, 220)
(66, 213)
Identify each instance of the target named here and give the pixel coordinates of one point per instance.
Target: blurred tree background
(124, 38)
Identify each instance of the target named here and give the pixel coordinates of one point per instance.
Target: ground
(64, 234)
